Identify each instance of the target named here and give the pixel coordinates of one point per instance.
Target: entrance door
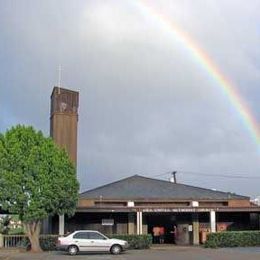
(164, 220)
(183, 237)
(176, 226)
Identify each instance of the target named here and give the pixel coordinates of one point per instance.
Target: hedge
(233, 239)
(135, 241)
(48, 243)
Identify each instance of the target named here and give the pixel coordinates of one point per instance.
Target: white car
(90, 241)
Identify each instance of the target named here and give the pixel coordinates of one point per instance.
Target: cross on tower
(59, 81)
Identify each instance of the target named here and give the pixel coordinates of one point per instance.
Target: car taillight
(58, 242)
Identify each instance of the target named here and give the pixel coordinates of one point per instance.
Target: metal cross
(59, 82)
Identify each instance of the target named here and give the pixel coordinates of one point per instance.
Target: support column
(1, 241)
(212, 221)
(131, 224)
(138, 223)
(259, 221)
(61, 225)
(195, 229)
(145, 226)
(141, 222)
(254, 218)
(139, 216)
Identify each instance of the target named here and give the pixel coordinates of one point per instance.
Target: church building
(138, 204)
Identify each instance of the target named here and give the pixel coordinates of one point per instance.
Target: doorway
(165, 221)
(176, 227)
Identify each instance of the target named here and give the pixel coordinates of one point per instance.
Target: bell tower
(64, 120)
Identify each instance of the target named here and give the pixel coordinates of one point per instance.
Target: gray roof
(139, 188)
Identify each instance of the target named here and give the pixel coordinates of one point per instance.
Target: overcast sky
(146, 105)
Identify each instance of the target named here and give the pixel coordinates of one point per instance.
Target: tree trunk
(33, 232)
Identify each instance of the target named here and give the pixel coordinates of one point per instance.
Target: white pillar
(137, 223)
(213, 221)
(195, 228)
(259, 221)
(1, 241)
(61, 225)
(141, 222)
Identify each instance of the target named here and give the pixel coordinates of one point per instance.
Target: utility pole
(173, 178)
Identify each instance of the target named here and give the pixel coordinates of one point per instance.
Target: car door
(98, 241)
(81, 239)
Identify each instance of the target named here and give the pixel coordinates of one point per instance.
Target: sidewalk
(172, 247)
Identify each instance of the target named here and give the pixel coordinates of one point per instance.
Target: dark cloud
(146, 105)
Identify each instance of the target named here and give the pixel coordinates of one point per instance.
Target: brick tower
(64, 120)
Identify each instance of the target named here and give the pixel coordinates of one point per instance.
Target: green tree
(37, 179)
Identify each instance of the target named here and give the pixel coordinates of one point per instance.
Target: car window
(95, 235)
(81, 235)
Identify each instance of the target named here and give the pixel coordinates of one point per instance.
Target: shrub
(47, 243)
(233, 239)
(135, 241)
(16, 231)
(24, 243)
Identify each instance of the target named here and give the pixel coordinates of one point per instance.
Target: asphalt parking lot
(183, 253)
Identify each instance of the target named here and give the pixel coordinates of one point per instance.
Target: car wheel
(73, 250)
(116, 249)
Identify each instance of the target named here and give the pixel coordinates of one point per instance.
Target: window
(107, 222)
(81, 235)
(95, 235)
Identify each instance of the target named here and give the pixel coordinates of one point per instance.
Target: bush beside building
(136, 241)
(233, 239)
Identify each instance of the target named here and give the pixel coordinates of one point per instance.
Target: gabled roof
(140, 188)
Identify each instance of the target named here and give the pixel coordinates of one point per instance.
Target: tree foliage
(37, 179)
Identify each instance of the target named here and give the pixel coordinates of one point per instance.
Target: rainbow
(201, 57)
